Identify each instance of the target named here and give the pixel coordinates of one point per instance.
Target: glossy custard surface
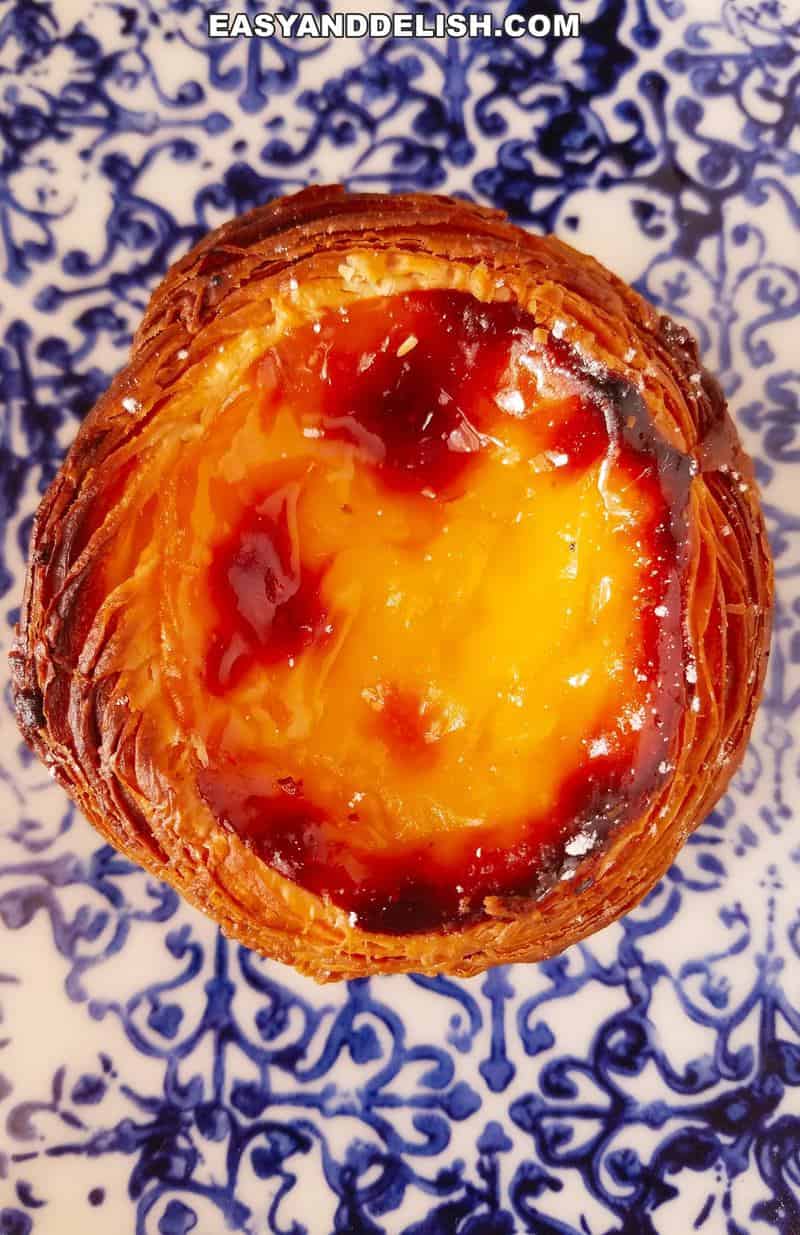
(430, 613)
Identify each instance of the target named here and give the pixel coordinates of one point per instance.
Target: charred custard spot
(417, 887)
(296, 838)
(412, 383)
(579, 436)
(407, 722)
(269, 603)
(504, 535)
(280, 827)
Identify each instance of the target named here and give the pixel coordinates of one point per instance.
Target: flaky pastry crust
(69, 669)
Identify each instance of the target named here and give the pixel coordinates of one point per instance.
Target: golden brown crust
(65, 663)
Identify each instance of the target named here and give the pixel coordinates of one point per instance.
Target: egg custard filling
(424, 604)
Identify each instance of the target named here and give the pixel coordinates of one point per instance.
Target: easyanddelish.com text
(225, 25)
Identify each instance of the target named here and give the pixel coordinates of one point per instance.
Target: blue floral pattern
(157, 1079)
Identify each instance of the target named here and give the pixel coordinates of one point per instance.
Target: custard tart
(405, 602)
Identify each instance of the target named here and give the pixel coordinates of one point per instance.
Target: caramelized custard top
(434, 648)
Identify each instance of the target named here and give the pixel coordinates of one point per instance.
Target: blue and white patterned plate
(156, 1079)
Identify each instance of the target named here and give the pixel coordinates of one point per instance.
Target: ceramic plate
(155, 1078)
